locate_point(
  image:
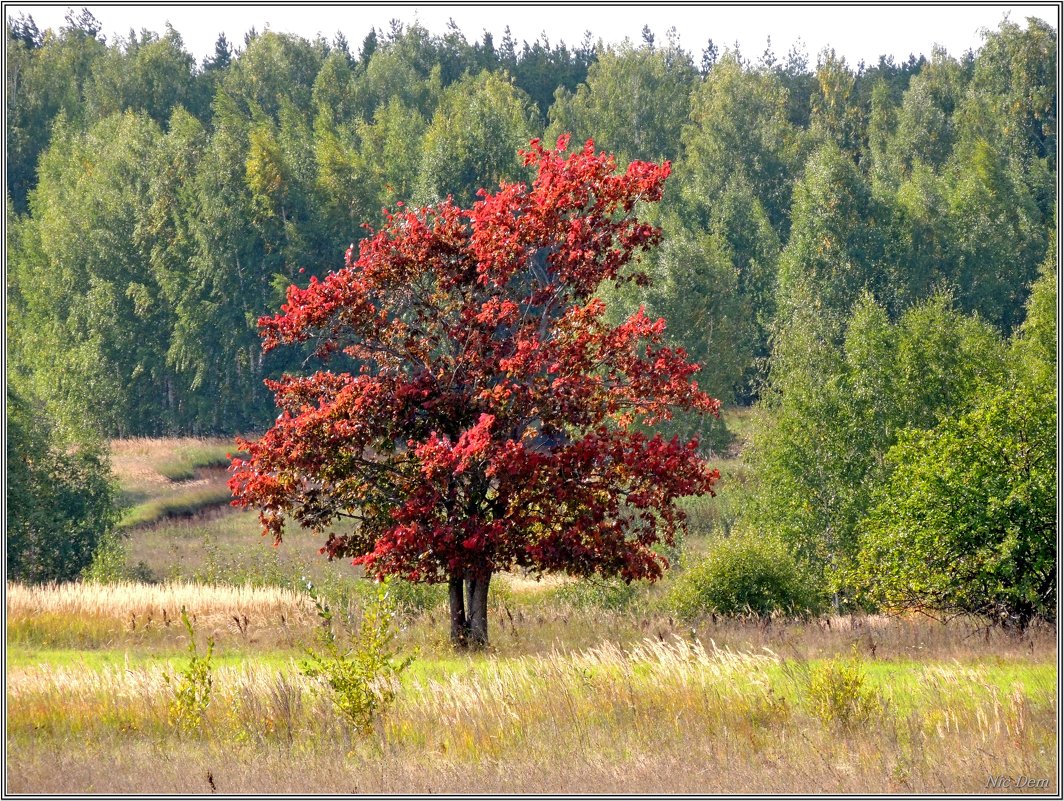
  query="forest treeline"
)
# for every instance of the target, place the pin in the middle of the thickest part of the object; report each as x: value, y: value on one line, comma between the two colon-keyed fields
x: 157, y: 207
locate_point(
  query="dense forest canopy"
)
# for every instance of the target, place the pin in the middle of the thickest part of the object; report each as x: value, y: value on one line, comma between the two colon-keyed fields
x: 158, y: 207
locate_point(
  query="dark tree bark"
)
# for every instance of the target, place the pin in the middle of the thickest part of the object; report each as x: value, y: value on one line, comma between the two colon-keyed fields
x: 478, y: 611
x: 469, y: 610
x: 459, y: 622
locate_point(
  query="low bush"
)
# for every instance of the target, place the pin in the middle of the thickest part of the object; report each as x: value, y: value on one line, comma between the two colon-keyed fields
x: 111, y: 564
x: 191, y: 688
x: 837, y: 694
x: 744, y: 574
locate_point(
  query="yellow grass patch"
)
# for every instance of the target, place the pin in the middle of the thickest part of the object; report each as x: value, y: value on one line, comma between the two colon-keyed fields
x: 145, y: 601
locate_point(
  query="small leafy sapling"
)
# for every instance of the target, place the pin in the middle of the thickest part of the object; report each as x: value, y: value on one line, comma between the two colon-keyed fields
x: 363, y: 679
x: 191, y: 687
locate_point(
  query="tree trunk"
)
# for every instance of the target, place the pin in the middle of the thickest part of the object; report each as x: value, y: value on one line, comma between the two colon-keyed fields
x: 478, y: 610
x: 459, y: 621
x: 469, y: 610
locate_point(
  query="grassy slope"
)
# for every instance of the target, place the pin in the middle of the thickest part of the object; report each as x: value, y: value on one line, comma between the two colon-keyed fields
x: 160, y: 478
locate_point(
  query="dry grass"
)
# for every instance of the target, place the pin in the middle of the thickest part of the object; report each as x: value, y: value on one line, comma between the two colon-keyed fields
x: 100, y: 616
x: 525, y: 585
x: 655, y: 717
x: 811, y: 765
x: 524, y: 617
x: 121, y: 601
x: 724, y: 708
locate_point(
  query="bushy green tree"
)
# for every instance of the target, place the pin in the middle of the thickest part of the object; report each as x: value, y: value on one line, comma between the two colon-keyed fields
x: 840, y: 391
x: 473, y: 139
x: 274, y: 67
x: 1012, y: 102
x: 149, y: 73
x: 87, y: 327
x: 717, y: 290
x: 391, y: 153
x: 210, y: 270
x: 403, y: 67
x: 333, y: 94
x: 739, y: 127
x: 967, y: 520
x: 634, y: 102
x: 46, y: 76
x: 60, y: 499
x: 839, y: 244
x: 798, y: 461
x: 997, y: 232
x: 922, y: 231
x: 926, y: 129
x: 1034, y: 347
x: 699, y: 296
x: 225, y: 286
x: 964, y: 518
x: 835, y: 114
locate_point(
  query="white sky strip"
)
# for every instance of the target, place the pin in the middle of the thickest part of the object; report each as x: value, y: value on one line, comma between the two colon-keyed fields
x: 856, y: 32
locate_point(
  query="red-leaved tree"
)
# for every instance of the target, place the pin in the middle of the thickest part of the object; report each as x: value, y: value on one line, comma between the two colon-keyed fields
x: 488, y: 418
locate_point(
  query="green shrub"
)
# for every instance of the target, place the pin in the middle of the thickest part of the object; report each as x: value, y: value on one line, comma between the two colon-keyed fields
x: 60, y: 499
x: 744, y: 574
x: 362, y: 680
x: 837, y: 694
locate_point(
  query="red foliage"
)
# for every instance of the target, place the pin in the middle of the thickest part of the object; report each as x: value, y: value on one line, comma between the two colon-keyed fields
x: 489, y: 415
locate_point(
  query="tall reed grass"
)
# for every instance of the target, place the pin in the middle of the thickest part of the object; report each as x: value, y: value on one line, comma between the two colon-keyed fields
x: 123, y: 599
x: 109, y: 615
